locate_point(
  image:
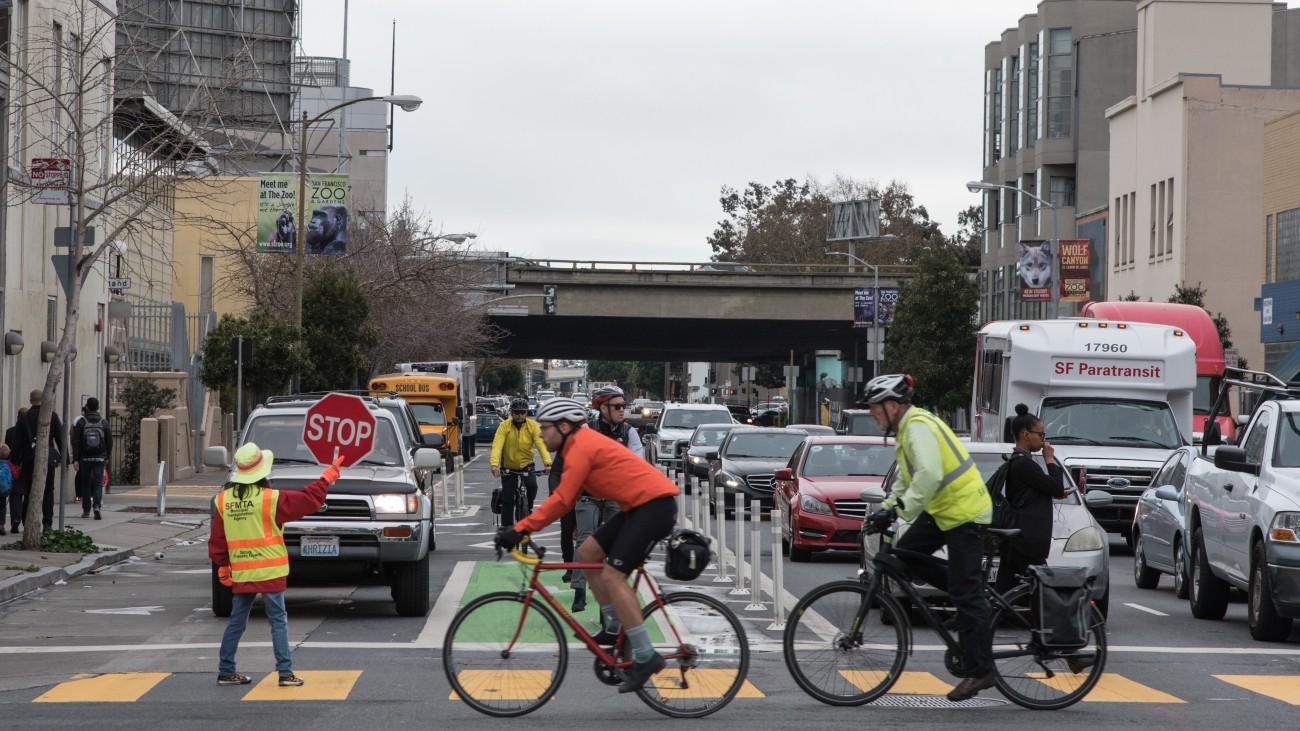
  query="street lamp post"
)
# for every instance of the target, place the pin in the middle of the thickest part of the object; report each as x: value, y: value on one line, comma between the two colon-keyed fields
x: 975, y: 186
x: 408, y: 103
x: 875, y: 306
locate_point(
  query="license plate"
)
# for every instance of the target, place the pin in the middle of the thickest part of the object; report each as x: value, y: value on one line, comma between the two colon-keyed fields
x: 319, y: 546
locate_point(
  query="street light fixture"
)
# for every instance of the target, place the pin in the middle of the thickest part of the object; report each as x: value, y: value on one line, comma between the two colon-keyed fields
x: 407, y: 103
x: 976, y: 186
x: 875, y: 306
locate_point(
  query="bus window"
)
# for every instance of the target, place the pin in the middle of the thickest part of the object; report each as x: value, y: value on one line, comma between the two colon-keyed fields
x: 428, y: 414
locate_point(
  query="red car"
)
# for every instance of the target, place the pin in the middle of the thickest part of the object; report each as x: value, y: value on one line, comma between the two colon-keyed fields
x: 818, y: 492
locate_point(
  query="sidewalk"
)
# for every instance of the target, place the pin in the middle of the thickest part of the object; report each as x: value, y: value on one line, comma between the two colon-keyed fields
x: 130, y: 526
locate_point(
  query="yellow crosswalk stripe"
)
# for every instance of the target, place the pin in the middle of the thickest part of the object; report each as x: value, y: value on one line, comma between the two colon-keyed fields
x: 1112, y: 688
x: 319, y: 685
x: 920, y: 683
x: 702, y: 683
x: 109, y: 688
x: 1285, y: 688
x: 504, y: 685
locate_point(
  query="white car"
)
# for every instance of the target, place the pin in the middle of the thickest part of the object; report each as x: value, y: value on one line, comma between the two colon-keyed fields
x: 675, y: 426
x: 1077, y: 537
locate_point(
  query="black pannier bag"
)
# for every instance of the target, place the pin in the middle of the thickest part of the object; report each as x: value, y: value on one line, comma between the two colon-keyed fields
x: 1062, y: 603
x: 496, y: 500
x: 688, y: 555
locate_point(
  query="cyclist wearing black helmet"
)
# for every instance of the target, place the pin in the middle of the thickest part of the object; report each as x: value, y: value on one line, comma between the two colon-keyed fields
x: 941, y: 492
x: 512, y: 448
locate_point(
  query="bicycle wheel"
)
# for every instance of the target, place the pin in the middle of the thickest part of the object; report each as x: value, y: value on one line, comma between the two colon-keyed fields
x: 1043, y: 680
x: 836, y: 664
x: 504, y: 660
x: 707, y: 653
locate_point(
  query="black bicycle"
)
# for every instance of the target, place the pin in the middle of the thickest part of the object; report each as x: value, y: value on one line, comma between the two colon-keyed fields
x: 520, y: 493
x: 840, y: 655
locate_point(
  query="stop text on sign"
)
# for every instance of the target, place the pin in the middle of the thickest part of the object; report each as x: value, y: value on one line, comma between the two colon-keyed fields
x: 337, y: 430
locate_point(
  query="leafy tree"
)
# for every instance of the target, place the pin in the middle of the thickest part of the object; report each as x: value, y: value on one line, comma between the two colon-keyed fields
x: 275, y: 356
x: 933, y: 335
x: 969, y: 236
x: 1130, y: 297
x: 631, y: 375
x: 336, y: 331
x: 1187, y: 295
x: 766, y: 375
x: 143, y: 398
x: 505, y: 378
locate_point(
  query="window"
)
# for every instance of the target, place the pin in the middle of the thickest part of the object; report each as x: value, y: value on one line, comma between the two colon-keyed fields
x: 1060, y: 82
x: 1032, y: 94
x: 207, y: 275
x: 1155, y: 218
x: 990, y: 390
x: 1288, y: 245
x: 1061, y: 192
x: 1253, y: 444
x: 1013, y: 202
x: 52, y: 318
x: 993, y: 117
x: 1169, y: 216
x: 1268, y: 248
x: 1013, y: 105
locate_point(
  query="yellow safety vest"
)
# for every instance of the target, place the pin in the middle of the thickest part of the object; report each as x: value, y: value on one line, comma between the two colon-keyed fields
x: 962, y: 496
x: 253, y: 538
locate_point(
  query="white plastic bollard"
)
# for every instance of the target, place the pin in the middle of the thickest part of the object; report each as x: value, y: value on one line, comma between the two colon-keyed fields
x: 460, y: 483
x: 778, y: 575
x: 756, y: 558
x: 740, y: 589
x: 162, y: 489
x: 681, y: 507
x: 442, y: 488
x: 720, y: 496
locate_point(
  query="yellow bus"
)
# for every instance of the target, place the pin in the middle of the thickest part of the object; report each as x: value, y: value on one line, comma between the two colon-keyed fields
x: 434, y: 400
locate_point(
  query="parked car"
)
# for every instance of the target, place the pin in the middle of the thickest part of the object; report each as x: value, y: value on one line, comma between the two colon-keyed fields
x: 675, y: 425
x: 644, y: 411
x: 488, y: 421
x: 1077, y: 537
x: 1158, y: 541
x: 746, y: 463
x: 858, y: 422
x: 818, y: 492
x: 378, y: 516
x: 706, y: 438
x: 813, y: 430
x: 741, y: 413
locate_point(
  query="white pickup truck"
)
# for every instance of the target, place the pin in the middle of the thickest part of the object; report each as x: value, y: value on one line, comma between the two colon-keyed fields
x: 1243, y: 513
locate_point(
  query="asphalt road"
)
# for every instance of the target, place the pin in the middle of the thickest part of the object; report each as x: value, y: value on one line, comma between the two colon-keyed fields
x: 135, y: 646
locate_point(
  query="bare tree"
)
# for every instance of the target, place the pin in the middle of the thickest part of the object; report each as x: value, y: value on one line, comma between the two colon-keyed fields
x: 125, y: 153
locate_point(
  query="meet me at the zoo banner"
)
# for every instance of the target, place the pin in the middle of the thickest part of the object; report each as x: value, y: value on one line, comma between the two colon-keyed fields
x: 277, y: 213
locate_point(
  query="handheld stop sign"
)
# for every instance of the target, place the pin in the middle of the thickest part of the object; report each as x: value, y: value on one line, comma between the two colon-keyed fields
x: 339, y: 424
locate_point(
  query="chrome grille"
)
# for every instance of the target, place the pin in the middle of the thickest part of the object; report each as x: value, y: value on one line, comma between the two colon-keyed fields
x: 760, y: 483
x: 851, y: 508
x: 1108, y: 478
x: 343, y: 507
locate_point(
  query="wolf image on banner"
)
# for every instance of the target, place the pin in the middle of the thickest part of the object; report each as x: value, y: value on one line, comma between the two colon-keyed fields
x: 1036, y: 265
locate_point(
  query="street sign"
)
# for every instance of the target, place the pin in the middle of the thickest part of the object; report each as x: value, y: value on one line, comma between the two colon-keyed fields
x: 342, y: 424
x: 50, y: 177
x: 119, y: 282
x: 63, y: 236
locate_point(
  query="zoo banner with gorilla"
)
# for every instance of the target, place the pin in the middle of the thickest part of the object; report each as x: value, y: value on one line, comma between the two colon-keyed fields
x: 277, y: 213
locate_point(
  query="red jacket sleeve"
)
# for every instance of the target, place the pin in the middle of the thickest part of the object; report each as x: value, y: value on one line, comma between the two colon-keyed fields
x: 217, y: 550
x: 296, y: 505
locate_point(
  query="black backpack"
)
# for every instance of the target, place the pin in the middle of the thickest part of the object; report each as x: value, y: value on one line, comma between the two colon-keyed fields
x: 1004, y: 513
x: 688, y: 555
x: 94, y: 438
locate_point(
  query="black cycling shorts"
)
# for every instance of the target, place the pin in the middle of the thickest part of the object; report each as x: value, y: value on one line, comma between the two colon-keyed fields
x: 628, y: 537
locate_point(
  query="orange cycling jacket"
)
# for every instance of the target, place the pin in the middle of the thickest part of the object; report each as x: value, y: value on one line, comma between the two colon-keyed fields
x: 607, y: 470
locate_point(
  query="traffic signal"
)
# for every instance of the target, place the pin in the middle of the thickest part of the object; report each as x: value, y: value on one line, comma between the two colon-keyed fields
x: 548, y: 299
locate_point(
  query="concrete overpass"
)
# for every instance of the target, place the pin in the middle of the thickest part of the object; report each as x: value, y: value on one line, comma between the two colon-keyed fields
x: 609, y: 310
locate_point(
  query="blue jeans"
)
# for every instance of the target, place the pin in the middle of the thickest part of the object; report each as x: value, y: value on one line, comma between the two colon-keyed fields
x: 92, y: 490
x: 279, y: 620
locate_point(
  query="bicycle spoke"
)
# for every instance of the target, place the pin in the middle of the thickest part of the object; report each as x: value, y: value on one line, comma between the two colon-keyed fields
x: 1043, y: 679
x: 707, y: 653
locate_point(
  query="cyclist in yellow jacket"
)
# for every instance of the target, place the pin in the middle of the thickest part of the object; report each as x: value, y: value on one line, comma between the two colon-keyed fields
x: 941, y: 492
x: 247, y: 545
x: 512, y: 449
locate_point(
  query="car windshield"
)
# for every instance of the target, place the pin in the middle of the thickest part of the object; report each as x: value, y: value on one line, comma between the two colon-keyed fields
x: 653, y: 405
x: 776, y: 445
x: 709, y: 436
x: 429, y: 414
x: 282, y: 434
x: 1110, y: 422
x: 862, y: 425
x: 691, y: 418
x: 827, y: 460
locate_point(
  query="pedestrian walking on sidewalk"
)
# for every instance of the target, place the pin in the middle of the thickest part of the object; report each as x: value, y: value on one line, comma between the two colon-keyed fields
x: 92, y: 442
x: 6, y: 483
x: 17, y: 446
x: 247, y: 545
x: 27, y: 427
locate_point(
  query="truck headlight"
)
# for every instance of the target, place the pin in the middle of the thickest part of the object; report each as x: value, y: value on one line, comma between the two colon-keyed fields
x: 396, y: 503
x: 696, y: 459
x: 1285, y: 528
x: 1084, y: 539
x: 810, y: 504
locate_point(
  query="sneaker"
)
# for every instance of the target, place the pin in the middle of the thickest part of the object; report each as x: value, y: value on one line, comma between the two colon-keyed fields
x: 233, y: 679
x: 579, y: 600
x: 290, y: 681
x: 640, y: 672
x: 1077, y: 664
x: 969, y: 687
x: 97, y: 514
x: 85, y: 515
x: 605, y: 638
x: 567, y: 577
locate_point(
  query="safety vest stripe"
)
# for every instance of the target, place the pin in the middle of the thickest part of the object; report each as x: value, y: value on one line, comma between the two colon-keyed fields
x: 253, y: 543
x: 259, y: 563
x: 962, y: 465
x: 268, y: 524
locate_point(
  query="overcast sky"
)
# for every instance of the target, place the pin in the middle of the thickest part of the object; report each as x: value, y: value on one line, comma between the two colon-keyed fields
x: 605, y: 130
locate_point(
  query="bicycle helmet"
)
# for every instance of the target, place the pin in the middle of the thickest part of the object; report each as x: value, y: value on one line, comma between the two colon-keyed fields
x: 894, y: 386
x: 519, y: 404
x: 603, y: 394
x: 561, y: 408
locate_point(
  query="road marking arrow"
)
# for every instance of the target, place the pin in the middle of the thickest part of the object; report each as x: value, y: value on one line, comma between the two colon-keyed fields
x: 137, y: 611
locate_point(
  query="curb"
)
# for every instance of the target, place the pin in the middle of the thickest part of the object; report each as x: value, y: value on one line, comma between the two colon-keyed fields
x: 17, y: 586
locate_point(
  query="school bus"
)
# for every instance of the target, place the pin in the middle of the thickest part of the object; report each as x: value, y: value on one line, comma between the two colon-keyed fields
x: 433, y: 400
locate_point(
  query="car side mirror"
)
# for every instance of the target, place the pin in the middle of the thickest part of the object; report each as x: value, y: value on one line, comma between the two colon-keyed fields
x: 1233, y: 459
x: 711, y: 456
x: 785, y: 473
x: 873, y: 494
x: 1098, y: 498
x: 432, y: 440
x: 1167, y: 492
x: 1211, y: 435
x: 216, y: 457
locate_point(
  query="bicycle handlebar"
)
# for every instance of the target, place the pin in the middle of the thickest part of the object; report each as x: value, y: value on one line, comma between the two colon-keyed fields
x: 524, y: 558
